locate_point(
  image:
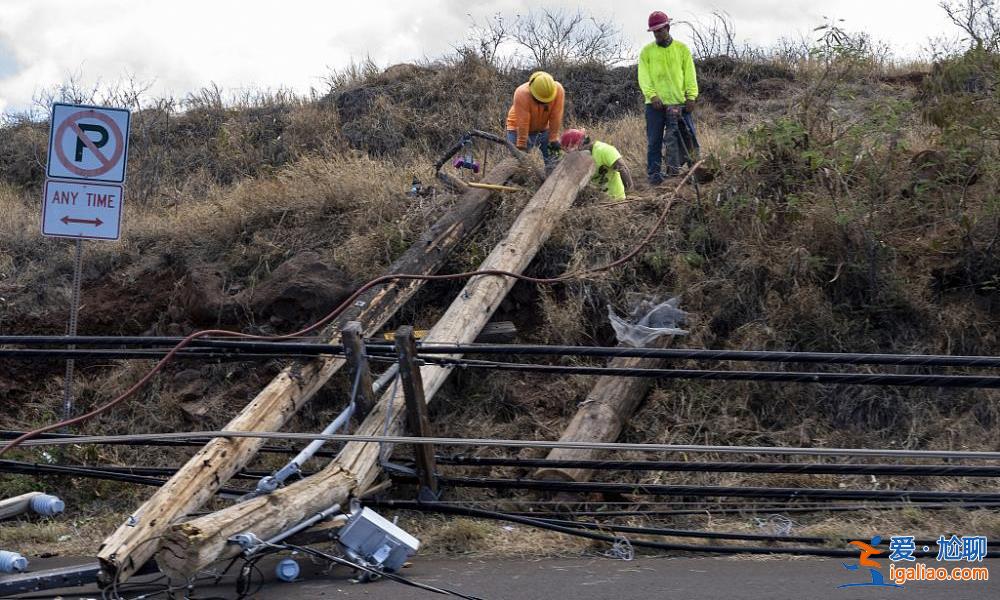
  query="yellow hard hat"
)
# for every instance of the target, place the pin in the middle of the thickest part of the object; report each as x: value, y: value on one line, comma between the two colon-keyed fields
x: 542, y: 86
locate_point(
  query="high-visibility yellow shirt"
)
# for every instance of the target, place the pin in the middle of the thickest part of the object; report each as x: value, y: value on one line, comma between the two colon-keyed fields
x: 667, y: 73
x: 605, y: 156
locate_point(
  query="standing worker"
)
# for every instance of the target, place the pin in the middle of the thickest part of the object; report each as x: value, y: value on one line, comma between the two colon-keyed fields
x: 670, y: 86
x: 612, y: 173
x: 535, y: 118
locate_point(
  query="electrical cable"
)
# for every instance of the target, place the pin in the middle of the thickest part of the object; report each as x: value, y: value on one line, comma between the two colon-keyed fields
x: 375, y: 347
x: 13, y: 466
x: 716, y: 535
x: 926, y: 380
x: 958, y: 381
x: 938, y: 470
x: 845, y: 358
x: 347, y: 303
x: 6, y: 434
x: 625, y: 465
x: 560, y: 508
x: 9, y: 466
x: 709, y: 491
x: 507, y: 443
x: 244, y: 580
x: 391, y: 576
x: 469, y: 512
x: 129, y: 475
x: 186, y: 354
x: 144, y: 341
x: 709, y: 511
x: 935, y: 470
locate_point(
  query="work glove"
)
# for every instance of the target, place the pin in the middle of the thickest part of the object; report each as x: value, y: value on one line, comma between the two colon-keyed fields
x: 555, y: 150
x: 689, y: 105
x: 657, y: 103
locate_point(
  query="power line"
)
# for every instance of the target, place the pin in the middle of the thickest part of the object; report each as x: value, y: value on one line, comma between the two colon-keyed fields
x: 6, y: 434
x: 259, y: 351
x: 10, y: 466
x: 139, y: 475
x: 847, y: 358
x: 936, y: 470
x: 145, y: 341
x: 959, y: 381
x: 375, y: 346
x: 781, y: 510
x: 186, y: 354
x: 13, y: 466
x: 709, y: 491
x: 248, y: 354
x: 712, y: 535
x: 483, y: 442
x: 939, y: 470
x: 541, y: 524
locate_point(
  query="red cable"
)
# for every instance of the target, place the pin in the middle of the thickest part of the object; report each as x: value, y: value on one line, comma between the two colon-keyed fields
x: 340, y: 309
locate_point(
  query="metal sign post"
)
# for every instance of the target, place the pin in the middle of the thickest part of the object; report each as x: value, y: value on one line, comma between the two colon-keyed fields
x: 84, y: 192
x: 74, y: 310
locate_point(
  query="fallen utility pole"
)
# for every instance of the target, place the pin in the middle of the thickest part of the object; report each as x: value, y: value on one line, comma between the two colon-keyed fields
x: 601, y: 417
x: 11, y: 507
x: 189, y: 547
x: 135, y: 541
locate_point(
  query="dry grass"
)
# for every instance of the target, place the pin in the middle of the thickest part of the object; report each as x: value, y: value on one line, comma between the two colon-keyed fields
x: 78, y: 535
x: 70, y: 535
x: 441, y: 536
x: 817, y: 234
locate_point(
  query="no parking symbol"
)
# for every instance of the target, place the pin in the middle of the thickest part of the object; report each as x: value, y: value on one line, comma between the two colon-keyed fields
x: 88, y: 149
x: 88, y: 142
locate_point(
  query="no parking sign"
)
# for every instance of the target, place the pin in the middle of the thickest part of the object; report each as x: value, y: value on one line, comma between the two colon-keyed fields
x: 88, y: 142
x: 88, y: 149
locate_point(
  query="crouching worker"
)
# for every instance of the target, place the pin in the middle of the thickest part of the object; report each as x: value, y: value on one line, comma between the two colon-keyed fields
x: 612, y: 173
x: 535, y: 117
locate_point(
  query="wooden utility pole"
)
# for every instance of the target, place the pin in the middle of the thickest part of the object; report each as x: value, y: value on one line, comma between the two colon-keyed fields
x: 354, y: 351
x: 416, y: 408
x: 136, y: 540
x: 189, y: 547
x: 11, y: 507
x: 603, y: 415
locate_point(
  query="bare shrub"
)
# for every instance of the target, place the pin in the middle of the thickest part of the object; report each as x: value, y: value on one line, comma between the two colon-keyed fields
x: 716, y: 37
x: 979, y: 20
x: 548, y: 38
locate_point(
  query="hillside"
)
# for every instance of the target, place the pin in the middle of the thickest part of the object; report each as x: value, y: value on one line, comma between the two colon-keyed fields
x: 853, y: 207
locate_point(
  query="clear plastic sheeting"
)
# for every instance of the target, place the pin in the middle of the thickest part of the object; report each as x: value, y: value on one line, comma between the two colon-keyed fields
x: 648, y: 322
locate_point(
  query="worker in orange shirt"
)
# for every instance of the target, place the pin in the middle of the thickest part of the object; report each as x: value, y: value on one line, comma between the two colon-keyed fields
x: 535, y: 118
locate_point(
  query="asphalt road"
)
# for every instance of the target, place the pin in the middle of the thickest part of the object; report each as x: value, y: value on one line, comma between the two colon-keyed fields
x: 594, y: 579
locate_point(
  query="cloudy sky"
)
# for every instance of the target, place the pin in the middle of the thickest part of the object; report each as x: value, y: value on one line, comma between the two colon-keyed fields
x: 182, y: 45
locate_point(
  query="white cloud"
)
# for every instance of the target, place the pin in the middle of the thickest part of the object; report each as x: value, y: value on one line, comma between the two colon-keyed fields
x: 184, y: 45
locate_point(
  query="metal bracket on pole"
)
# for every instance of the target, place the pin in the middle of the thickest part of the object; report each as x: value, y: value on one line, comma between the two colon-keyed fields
x: 352, y: 336
x: 416, y: 411
x: 460, y: 186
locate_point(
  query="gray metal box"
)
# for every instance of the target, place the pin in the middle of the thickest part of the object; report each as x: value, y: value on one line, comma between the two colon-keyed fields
x: 377, y: 541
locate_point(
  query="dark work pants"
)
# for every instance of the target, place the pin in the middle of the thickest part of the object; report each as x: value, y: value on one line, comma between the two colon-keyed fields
x: 664, y: 136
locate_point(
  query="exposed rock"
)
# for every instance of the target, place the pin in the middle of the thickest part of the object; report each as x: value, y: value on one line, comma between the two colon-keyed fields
x: 300, y: 290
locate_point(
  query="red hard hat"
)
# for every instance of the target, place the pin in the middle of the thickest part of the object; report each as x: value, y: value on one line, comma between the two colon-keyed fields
x: 658, y: 20
x: 572, y: 138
